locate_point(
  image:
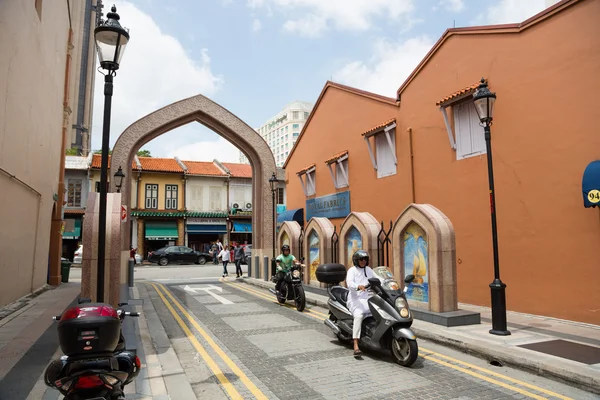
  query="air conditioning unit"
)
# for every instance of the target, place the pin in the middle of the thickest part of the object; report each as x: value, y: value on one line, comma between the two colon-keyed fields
x: 248, y: 206
x: 235, y: 205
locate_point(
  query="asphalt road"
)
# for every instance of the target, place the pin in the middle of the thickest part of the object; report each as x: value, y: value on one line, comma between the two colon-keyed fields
x: 236, y: 335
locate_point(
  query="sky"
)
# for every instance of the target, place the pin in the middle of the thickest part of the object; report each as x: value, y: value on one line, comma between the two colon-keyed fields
x: 255, y: 56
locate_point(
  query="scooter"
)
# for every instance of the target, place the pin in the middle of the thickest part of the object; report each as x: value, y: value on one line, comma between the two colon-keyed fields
x: 96, y: 365
x: 291, y: 288
x: 388, y: 328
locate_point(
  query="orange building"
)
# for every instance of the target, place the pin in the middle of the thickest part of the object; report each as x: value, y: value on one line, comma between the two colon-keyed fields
x: 429, y: 148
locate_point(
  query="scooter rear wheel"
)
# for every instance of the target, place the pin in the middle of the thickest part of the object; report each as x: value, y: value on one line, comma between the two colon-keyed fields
x: 405, y: 351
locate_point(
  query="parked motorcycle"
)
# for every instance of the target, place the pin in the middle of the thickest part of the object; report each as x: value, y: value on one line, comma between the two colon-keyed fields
x: 292, y: 288
x: 96, y: 365
x: 388, y: 328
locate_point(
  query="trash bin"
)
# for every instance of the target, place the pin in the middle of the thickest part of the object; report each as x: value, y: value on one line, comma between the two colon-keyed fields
x: 65, y: 268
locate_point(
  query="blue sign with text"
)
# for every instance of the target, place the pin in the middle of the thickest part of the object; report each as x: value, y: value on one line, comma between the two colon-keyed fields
x: 335, y: 205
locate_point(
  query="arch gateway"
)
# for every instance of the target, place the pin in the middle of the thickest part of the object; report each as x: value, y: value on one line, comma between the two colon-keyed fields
x: 205, y: 111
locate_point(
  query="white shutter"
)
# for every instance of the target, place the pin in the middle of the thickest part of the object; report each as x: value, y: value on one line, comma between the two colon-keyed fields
x: 470, y: 138
x: 214, y: 193
x: 385, y: 158
x: 340, y: 177
x: 310, y: 183
x: 477, y: 132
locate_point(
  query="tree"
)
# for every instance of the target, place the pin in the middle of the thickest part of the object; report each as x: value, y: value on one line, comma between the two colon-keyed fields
x: 100, y: 151
x: 144, y: 153
x: 72, y: 152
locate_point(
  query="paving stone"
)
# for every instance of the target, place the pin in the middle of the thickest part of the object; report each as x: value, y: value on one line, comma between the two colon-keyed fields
x: 241, y: 308
x: 293, y: 342
x: 259, y: 321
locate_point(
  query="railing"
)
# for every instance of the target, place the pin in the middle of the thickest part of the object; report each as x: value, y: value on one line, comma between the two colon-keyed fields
x: 334, y: 246
x: 301, y: 243
x: 384, y: 242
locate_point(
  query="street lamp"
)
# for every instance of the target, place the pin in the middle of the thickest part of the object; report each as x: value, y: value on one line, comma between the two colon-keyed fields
x: 273, y: 181
x: 111, y: 40
x: 484, y: 105
x: 119, y: 175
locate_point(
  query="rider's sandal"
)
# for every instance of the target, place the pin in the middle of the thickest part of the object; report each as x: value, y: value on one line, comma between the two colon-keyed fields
x: 357, y: 353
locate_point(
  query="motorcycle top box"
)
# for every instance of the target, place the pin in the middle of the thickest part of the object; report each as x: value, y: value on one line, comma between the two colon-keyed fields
x: 331, y: 273
x: 89, y: 329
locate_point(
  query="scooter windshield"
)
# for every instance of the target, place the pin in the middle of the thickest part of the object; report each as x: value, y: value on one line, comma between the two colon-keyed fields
x: 386, y: 278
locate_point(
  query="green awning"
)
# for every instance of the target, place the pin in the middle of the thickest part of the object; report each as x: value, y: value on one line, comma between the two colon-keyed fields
x: 161, y: 230
x: 75, y: 233
x: 179, y: 214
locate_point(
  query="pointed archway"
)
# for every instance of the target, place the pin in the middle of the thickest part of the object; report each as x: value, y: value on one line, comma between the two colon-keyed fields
x: 205, y: 111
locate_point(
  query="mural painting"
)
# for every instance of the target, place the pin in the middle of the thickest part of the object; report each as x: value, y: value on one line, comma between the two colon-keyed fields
x: 353, y: 244
x: 285, y: 239
x: 314, y: 258
x: 416, y: 262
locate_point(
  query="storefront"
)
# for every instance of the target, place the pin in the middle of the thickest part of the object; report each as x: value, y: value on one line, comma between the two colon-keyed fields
x: 71, y: 237
x: 241, y: 231
x: 158, y: 234
x: 201, y: 232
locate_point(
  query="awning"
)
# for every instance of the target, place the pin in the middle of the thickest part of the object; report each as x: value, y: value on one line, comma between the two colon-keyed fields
x: 242, y: 227
x: 75, y: 233
x: 591, y: 185
x: 206, y: 228
x: 161, y: 230
x: 292, y: 215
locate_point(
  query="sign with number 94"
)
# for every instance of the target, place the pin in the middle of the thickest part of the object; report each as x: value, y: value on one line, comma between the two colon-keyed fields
x: 594, y: 196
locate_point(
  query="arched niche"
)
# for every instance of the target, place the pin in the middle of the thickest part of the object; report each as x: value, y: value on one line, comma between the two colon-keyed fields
x: 289, y: 233
x: 229, y: 126
x: 317, y: 247
x: 423, y: 244
x: 358, y: 231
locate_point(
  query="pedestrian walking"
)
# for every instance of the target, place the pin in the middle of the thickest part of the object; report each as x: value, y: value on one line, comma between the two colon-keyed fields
x: 238, y: 256
x: 225, y: 258
x: 215, y: 253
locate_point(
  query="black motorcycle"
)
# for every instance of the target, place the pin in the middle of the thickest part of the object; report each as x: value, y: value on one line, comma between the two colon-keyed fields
x: 96, y: 365
x: 291, y: 288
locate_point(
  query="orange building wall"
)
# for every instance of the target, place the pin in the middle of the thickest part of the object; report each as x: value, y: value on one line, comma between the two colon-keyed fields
x: 543, y: 136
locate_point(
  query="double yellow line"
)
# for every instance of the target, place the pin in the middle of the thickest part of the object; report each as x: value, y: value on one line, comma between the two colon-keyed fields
x: 229, y: 388
x: 450, y: 362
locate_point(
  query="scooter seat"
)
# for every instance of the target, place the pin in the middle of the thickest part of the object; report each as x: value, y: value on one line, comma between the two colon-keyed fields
x: 340, y: 293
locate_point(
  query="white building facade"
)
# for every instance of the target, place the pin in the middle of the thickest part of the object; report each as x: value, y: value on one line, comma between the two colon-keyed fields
x: 282, y: 131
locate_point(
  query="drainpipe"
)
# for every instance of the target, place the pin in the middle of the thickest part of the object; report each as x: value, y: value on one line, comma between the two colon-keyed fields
x: 57, y: 218
x: 412, y: 164
x: 227, y: 181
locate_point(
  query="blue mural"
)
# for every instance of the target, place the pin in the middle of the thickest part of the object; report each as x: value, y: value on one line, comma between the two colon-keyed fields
x: 416, y: 262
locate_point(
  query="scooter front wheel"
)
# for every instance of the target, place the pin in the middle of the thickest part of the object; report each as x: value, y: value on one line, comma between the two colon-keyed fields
x: 405, y: 351
x: 300, y: 299
x: 282, y: 296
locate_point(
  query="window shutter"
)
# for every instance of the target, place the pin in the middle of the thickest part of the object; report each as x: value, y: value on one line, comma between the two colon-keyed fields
x: 385, y: 158
x: 340, y: 178
x: 477, y: 132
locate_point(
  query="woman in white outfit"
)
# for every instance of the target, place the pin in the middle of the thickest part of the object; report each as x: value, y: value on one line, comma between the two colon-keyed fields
x: 357, y: 278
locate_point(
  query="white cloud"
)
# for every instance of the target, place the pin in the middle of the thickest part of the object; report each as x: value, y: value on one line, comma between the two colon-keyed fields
x: 219, y: 148
x: 513, y: 11
x: 312, y: 17
x: 155, y: 71
x: 452, y: 5
x: 389, y: 66
x: 256, y: 25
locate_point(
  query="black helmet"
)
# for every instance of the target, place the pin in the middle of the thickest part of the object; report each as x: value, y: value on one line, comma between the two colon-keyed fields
x: 358, y: 255
x: 285, y: 247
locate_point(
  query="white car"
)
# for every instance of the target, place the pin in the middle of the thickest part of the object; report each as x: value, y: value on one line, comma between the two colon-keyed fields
x: 79, y: 254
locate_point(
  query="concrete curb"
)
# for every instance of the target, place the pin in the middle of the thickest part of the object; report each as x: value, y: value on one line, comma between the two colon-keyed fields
x: 564, y: 370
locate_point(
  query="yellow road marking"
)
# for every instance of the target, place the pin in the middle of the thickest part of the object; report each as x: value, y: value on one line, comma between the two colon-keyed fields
x: 428, y: 357
x: 233, y: 393
x: 487, y: 371
x: 234, y: 368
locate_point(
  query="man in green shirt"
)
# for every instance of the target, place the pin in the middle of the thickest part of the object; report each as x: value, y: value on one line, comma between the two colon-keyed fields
x: 284, y: 262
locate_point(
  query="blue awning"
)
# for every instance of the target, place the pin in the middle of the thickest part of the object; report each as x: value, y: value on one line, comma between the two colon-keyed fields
x: 591, y: 185
x: 242, y: 227
x: 206, y: 228
x: 292, y: 215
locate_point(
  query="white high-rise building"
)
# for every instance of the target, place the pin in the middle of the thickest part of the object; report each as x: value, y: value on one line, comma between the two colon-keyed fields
x: 281, y: 131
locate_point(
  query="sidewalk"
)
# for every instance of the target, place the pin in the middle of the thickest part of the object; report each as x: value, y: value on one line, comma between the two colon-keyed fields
x: 556, y: 335
x: 29, y: 340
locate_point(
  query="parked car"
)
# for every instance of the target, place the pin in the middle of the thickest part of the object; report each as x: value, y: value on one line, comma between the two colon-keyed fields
x: 78, y: 257
x: 180, y: 254
x: 247, y: 253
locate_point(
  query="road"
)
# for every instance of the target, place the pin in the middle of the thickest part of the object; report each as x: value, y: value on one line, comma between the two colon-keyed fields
x: 227, y: 332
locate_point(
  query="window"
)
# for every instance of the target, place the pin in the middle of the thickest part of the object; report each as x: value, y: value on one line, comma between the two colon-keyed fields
x: 195, y: 200
x: 305, y: 115
x: 74, y: 193
x: 171, y: 197
x: 287, y: 127
x: 470, y: 136
x: 295, y: 114
x: 214, y: 194
x: 151, y: 196
x: 307, y: 180
x: 341, y: 173
x: 385, y: 150
x: 296, y: 134
x: 295, y: 126
x: 279, y: 196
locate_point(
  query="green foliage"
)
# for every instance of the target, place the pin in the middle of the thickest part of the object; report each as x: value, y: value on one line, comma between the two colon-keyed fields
x: 144, y: 153
x: 71, y: 152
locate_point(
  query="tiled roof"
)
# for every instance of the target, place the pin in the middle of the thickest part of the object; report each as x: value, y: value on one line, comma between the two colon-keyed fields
x: 202, y: 168
x: 74, y: 211
x: 160, y: 164
x: 192, y: 214
x: 460, y: 93
x: 239, y: 170
x: 336, y: 156
x: 379, y: 127
x: 303, y: 170
x: 97, y: 161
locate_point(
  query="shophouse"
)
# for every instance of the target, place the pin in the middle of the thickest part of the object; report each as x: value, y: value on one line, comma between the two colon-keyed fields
x: 77, y: 184
x: 430, y: 149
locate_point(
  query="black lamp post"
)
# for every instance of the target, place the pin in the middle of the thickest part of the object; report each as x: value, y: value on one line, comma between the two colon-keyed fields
x: 484, y: 105
x: 111, y: 40
x: 273, y: 181
x: 119, y: 175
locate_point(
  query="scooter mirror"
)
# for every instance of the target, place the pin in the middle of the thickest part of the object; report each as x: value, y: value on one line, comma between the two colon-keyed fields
x: 409, y: 279
x: 374, y: 282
